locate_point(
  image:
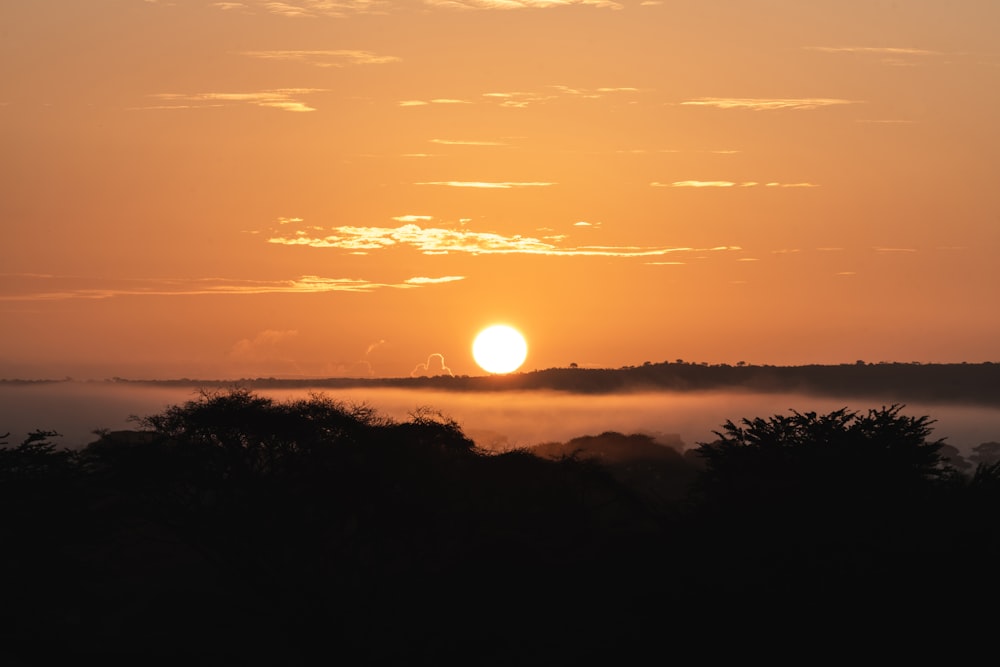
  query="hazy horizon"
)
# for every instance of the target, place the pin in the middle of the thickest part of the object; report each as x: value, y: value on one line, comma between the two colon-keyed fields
x: 494, y: 420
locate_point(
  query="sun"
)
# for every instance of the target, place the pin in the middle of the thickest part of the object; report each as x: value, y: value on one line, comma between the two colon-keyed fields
x: 499, y: 349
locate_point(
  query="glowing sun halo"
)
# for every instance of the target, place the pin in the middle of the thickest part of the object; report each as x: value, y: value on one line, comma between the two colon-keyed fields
x: 499, y: 349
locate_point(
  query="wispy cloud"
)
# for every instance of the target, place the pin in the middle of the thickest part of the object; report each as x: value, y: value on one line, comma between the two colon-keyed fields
x: 437, y: 100
x: 341, y: 8
x: 458, y: 142
x: 335, y: 58
x: 422, y: 280
x: 261, y: 346
x: 730, y: 184
x: 285, y: 99
x: 888, y: 55
x: 314, y: 8
x: 56, y: 288
x: 489, y: 185
x: 413, y: 218
x: 439, y: 241
x: 433, y: 366
x: 887, y: 121
x: 521, y: 99
x: 694, y: 184
x: 520, y: 4
x: 766, y: 104
x: 882, y: 50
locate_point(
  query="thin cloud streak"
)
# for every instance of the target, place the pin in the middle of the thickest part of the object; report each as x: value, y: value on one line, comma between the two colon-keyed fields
x: 297, y: 9
x: 438, y: 241
x: 457, y: 142
x: 322, y: 8
x: 885, y: 50
x: 334, y: 58
x: 729, y: 184
x: 281, y: 98
x: 43, y: 290
x: 489, y: 185
x: 522, y: 99
x: 763, y: 104
x: 440, y: 100
x: 519, y: 4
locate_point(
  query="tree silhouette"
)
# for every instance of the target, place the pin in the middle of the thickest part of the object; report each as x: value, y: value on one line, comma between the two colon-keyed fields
x: 824, y: 509
x: 810, y: 455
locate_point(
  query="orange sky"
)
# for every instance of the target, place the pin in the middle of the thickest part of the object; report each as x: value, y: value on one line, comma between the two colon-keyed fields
x: 329, y: 188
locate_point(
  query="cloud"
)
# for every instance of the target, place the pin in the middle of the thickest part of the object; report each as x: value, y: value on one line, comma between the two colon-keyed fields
x: 694, y: 184
x: 520, y: 4
x: 434, y: 366
x: 435, y: 241
x: 421, y: 280
x: 413, y: 218
x: 440, y: 100
x: 758, y: 104
x: 729, y: 184
x: 261, y: 346
x: 890, y: 55
x: 341, y: 8
x: 57, y: 288
x: 281, y: 98
x: 489, y: 185
x: 522, y: 99
x: 887, y: 121
x: 328, y: 8
x: 335, y: 58
x: 884, y: 50
x: 456, y: 142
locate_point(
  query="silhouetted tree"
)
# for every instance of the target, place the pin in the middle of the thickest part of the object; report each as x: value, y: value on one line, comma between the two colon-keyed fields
x: 845, y: 501
x: 986, y: 453
x: 807, y: 454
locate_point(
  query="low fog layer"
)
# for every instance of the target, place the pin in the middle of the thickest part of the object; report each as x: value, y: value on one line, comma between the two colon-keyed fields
x: 497, y: 421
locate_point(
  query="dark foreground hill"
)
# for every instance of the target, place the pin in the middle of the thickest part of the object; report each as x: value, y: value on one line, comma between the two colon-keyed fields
x: 236, y: 528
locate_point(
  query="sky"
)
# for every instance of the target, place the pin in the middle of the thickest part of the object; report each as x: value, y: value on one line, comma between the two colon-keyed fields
x: 355, y: 188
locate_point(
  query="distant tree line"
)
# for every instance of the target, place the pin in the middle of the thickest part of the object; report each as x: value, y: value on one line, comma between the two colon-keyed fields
x: 977, y: 384
x: 237, y: 525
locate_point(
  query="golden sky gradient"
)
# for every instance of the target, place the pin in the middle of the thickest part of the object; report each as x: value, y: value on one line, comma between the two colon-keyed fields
x: 352, y: 187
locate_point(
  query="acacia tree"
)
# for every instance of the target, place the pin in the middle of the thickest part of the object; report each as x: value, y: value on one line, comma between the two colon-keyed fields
x: 805, y: 457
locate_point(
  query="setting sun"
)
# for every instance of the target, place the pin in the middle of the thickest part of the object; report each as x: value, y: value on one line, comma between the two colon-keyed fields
x: 499, y: 349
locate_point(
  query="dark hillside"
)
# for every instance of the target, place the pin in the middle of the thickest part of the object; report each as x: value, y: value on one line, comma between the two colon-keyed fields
x: 235, y: 527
